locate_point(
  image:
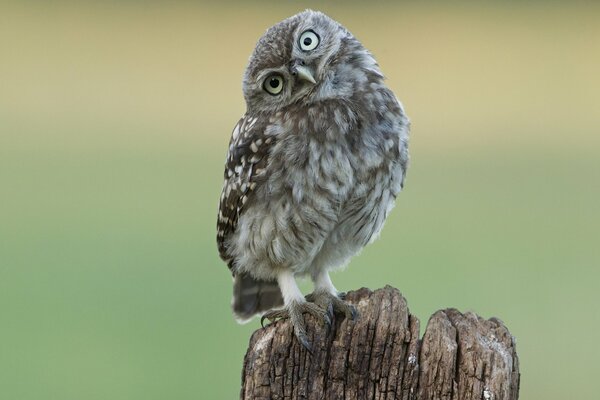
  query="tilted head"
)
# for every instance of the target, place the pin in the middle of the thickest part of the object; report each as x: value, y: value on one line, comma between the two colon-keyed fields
x: 305, y: 58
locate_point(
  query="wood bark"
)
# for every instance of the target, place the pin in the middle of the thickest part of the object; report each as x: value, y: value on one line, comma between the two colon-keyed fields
x: 379, y: 356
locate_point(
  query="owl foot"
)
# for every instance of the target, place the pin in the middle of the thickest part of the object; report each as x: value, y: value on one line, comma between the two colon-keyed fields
x: 333, y: 303
x: 294, y: 311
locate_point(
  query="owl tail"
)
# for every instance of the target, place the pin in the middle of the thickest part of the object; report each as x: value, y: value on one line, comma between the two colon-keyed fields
x: 251, y: 296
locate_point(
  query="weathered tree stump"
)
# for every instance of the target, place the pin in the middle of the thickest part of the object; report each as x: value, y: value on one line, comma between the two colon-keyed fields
x: 380, y: 356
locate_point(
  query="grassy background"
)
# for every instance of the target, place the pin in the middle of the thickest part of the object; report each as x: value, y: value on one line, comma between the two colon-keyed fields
x: 114, y: 122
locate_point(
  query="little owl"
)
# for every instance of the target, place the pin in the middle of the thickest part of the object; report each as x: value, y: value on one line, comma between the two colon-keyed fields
x: 313, y: 169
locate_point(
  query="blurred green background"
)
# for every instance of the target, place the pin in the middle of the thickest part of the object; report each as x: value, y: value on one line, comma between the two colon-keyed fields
x: 114, y: 123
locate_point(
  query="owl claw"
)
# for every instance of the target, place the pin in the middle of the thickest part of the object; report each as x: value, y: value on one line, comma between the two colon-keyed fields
x: 353, y: 312
x: 303, y: 339
x: 295, y: 312
x: 262, y: 321
x: 333, y: 303
x: 330, y: 312
x: 273, y: 316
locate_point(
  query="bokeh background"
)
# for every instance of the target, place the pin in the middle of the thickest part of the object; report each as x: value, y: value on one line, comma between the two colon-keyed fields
x: 114, y: 122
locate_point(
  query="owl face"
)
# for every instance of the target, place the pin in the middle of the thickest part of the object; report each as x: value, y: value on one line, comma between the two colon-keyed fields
x: 295, y: 61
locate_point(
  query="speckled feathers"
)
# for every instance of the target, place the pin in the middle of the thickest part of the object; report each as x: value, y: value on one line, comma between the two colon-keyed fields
x: 313, y: 167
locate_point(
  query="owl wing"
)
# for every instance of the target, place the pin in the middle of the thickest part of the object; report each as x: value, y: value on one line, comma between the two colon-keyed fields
x: 244, y: 167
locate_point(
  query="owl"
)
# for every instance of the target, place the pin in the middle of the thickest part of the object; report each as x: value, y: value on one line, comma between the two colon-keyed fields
x: 313, y: 169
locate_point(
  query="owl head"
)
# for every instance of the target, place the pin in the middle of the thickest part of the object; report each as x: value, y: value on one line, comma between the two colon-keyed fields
x: 305, y: 58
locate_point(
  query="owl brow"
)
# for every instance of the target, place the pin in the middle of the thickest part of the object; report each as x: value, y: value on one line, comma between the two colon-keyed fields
x: 269, y: 71
x: 300, y: 32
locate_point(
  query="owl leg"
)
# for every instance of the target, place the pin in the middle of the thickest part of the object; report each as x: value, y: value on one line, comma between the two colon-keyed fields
x: 295, y: 305
x: 326, y: 296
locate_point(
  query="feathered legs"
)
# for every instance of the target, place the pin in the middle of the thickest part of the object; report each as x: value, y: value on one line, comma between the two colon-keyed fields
x: 322, y: 303
x: 326, y: 296
x: 295, y: 305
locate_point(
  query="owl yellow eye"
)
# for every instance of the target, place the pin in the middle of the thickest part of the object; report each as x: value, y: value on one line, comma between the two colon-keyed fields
x: 273, y: 84
x: 309, y: 40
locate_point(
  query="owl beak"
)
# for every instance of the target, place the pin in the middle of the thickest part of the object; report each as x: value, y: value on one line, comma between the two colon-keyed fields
x: 302, y: 72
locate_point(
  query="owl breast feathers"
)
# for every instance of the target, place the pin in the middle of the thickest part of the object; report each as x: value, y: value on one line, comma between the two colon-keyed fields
x: 316, y: 163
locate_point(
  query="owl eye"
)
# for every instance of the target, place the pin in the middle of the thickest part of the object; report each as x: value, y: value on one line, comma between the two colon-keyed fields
x: 273, y: 84
x: 309, y: 40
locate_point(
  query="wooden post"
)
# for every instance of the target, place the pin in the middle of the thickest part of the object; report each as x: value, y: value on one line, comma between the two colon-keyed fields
x: 380, y: 356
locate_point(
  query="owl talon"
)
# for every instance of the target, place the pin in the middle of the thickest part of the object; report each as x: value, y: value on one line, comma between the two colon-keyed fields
x: 303, y: 339
x: 295, y: 312
x: 330, y: 311
x: 262, y: 321
x: 273, y: 316
x: 353, y: 312
x: 332, y: 302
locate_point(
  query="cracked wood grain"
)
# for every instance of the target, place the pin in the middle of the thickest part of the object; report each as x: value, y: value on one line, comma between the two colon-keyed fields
x: 380, y: 356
